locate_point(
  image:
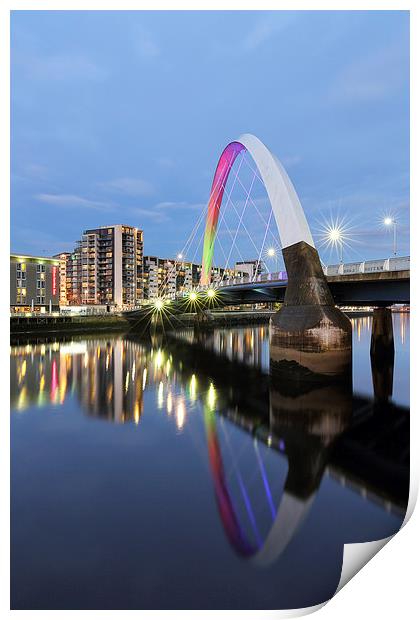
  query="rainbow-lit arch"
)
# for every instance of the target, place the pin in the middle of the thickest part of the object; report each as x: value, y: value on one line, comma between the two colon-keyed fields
x: 288, y: 212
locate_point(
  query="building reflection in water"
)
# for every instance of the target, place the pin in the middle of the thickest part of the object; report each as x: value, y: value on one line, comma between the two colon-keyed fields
x: 110, y: 378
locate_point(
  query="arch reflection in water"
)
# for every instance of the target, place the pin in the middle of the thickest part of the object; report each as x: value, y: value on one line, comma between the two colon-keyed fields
x: 303, y: 427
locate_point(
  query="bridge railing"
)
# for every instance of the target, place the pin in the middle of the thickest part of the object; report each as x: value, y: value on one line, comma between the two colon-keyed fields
x: 400, y: 263
x: 371, y: 266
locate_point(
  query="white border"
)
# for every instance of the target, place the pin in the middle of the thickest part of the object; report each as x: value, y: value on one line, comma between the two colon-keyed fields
x: 387, y: 586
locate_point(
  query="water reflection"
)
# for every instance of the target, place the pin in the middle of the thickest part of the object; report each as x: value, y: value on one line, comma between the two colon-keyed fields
x: 270, y: 452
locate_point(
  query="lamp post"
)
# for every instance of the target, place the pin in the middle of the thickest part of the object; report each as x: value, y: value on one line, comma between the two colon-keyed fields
x: 391, y: 221
x: 336, y: 237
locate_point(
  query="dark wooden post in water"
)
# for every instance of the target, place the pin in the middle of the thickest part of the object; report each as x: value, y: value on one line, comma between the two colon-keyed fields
x: 311, y: 339
x: 382, y: 353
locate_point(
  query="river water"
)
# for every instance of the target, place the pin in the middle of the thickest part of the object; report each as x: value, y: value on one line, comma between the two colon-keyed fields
x: 173, y: 474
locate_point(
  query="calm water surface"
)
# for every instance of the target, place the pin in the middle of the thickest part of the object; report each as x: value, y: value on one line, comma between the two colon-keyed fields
x: 174, y: 474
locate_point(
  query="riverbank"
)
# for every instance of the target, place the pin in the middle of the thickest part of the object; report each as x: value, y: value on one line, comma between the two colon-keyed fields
x: 67, y: 324
x: 62, y: 325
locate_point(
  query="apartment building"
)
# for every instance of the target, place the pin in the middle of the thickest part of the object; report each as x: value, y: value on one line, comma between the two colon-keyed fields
x: 109, y: 266
x: 163, y: 277
x: 34, y: 283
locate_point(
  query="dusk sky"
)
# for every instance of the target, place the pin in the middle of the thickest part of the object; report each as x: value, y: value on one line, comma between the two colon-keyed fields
x: 120, y: 117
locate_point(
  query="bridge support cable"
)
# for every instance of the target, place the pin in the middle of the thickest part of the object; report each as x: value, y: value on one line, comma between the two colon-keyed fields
x: 243, y: 225
x: 184, y: 251
x: 195, y: 229
x: 242, y: 216
x: 265, y: 480
x: 254, y: 204
x: 242, y: 487
x: 262, y: 247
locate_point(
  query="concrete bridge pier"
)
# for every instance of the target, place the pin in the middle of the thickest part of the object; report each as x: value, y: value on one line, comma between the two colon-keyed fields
x: 382, y: 353
x: 310, y: 338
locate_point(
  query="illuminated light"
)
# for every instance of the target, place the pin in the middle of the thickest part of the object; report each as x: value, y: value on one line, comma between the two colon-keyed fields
x: 211, y: 397
x: 42, y: 383
x: 211, y: 293
x: 22, y: 400
x: 23, y: 369
x: 160, y: 395
x: 136, y: 413
x: 54, y: 381
x: 168, y: 367
x: 193, y: 387
x: 86, y: 359
x: 180, y: 414
x: 158, y: 359
x: 180, y: 256
x: 54, y: 280
x: 133, y: 371
x: 335, y: 234
x: 169, y: 403
x: 271, y: 252
x: 43, y: 349
x: 193, y: 296
x: 127, y: 378
x: 388, y: 221
x: 144, y: 377
x: 74, y: 348
x: 158, y: 304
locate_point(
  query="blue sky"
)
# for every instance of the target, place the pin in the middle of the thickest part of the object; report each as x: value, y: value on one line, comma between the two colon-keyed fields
x: 119, y: 117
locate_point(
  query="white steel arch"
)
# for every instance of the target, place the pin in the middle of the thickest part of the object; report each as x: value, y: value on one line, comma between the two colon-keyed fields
x: 290, y: 218
x: 291, y: 221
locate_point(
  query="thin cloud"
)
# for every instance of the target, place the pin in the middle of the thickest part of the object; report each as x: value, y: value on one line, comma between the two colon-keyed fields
x: 73, y: 201
x: 265, y: 28
x: 166, y: 162
x: 198, y: 206
x: 371, y: 79
x: 129, y: 186
x: 290, y: 160
x: 144, y: 44
x: 151, y: 214
x: 40, y: 242
x: 62, y: 67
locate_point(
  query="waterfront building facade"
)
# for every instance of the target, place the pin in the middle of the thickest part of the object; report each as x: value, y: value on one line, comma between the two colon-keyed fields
x: 163, y: 277
x: 70, y: 278
x: 108, y: 267
x: 34, y: 283
x: 251, y: 268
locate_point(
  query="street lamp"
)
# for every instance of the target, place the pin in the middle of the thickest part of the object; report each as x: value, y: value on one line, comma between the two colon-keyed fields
x: 272, y: 253
x: 335, y: 235
x: 391, y: 221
